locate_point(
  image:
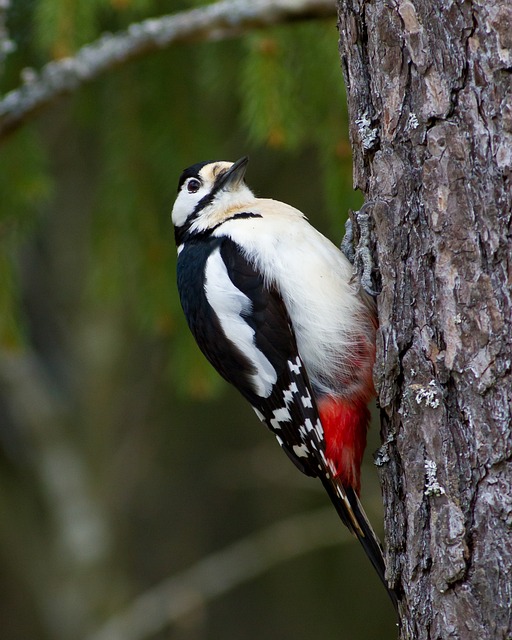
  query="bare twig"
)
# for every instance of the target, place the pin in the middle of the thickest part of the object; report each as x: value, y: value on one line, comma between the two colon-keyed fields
x: 214, y: 22
x: 221, y: 572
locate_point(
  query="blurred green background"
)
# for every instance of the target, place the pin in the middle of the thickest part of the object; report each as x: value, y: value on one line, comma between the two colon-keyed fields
x: 124, y: 459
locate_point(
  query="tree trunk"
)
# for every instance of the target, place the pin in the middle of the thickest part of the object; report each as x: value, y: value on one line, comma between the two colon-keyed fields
x: 429, y: 88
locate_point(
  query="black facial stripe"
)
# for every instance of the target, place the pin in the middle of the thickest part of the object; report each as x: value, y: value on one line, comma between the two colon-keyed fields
x: 204, y: 202
x: 209, y: 197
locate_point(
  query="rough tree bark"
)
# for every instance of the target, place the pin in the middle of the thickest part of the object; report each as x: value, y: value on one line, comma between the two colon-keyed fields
x: 429, y: 89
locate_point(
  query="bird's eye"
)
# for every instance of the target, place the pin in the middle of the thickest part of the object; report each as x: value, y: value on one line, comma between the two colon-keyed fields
x: 193, y: 185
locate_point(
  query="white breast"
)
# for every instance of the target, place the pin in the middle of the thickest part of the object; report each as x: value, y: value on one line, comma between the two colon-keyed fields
x: 330, y: 319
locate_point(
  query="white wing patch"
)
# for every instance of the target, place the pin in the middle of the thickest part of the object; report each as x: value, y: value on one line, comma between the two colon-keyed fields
x: 228, y: 303
x: 295, y: 366
x: 306, y: 401
x: 301, y: 451
x: 280, y: 415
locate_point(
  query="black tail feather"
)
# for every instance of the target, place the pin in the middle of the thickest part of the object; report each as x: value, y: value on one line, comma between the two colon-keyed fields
x: 353, y: 516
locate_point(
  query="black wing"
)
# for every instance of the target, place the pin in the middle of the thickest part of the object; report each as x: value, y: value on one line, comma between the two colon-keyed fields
x: 288, y: 409
x: 241, y: 324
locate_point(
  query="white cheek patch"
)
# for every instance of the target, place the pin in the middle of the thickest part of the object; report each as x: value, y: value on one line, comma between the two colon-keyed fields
x: 185, y: 204
x: 180, y: 211
x: 229, y: 303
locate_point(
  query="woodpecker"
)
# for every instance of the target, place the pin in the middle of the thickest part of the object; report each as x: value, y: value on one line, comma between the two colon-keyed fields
x: 272, y: 305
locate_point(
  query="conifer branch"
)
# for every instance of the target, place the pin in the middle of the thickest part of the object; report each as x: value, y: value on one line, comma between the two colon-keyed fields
x: 222, y: 20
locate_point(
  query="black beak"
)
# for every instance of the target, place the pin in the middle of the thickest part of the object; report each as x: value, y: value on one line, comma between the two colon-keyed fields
x: 234, y: 175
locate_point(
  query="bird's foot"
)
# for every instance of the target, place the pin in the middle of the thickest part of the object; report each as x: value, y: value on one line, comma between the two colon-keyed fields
x: 358, y: 250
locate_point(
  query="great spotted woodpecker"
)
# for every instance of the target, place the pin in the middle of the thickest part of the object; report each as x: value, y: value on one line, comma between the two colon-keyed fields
x: 271, y: 304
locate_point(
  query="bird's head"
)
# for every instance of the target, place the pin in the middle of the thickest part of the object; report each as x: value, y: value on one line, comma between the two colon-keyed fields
x: 207, y: 193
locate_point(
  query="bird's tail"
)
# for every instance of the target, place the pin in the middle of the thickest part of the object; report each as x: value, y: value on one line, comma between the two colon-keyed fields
x: 352, y: 514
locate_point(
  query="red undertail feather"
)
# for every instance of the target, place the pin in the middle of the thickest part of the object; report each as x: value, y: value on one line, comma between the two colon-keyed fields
x: 345, y: 425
